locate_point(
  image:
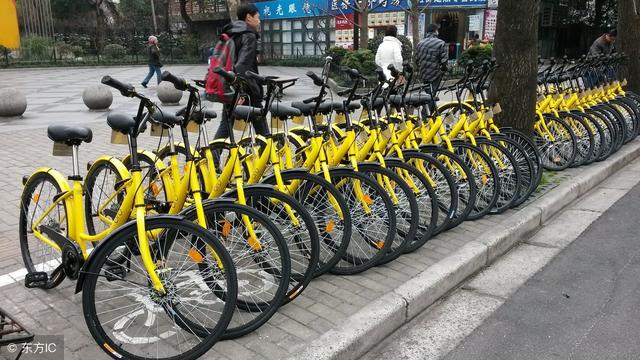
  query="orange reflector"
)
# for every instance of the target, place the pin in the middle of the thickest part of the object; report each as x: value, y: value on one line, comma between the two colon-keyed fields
x: 254, y: 243
x: 184, y: 168
x: 367, y: 199
x: 36, y: 197
x: 380, y: 244
x: 226, y: 228
x: 155, y: 189
x: 485, y: 179
x: 195, y: 255
x: 330, y: 226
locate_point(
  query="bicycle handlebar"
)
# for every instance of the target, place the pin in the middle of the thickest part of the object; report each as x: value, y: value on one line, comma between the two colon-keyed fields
x: 178, y: 82
x: 125, y: 89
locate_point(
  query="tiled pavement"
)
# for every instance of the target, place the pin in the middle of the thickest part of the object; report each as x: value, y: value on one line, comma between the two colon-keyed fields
x: 327, y: 302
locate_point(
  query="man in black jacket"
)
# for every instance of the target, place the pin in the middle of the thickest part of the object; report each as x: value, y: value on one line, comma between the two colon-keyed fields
x: 432, y: 56
x: 244, y: 32
x: 605, y: 44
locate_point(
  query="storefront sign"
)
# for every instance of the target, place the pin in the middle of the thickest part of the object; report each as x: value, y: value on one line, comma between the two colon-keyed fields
x: 475, y: 23
x: 453, y: 3
x: 347, y: 6
x: 291, y: 9
x: 490, y: 17
x: 344, y: 22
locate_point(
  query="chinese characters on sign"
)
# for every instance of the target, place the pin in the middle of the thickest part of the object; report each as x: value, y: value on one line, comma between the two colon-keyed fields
x: 490, y: 17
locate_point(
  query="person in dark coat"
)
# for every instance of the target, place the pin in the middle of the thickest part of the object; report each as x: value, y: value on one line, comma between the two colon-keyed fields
x: 244, y: 33
x: 605, y: 44
x: 432, y: 56
x: 154, y: 61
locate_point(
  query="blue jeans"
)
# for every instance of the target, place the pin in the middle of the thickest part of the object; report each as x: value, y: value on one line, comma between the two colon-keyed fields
x: 153, y: 69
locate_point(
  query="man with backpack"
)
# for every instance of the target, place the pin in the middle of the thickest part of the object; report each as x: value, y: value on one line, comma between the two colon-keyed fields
x: 242, y: 43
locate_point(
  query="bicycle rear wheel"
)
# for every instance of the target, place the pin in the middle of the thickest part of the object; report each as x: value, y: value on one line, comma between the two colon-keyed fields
x: 38, y: 195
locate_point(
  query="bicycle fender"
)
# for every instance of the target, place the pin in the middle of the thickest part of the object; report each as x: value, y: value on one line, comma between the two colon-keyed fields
x: 97, y: 250
x: 57, y: 175
x: 271, y: 179
x: 150, y: 154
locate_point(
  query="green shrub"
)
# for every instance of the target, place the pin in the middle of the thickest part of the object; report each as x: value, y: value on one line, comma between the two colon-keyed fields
x: 407, y: 47
x: 35, y: 48
x: 361, y: 60
x: 337, y: 54
x: 114, y: 52
x: 188, y: 44
x: 476, y: 53
x: 296, y: 62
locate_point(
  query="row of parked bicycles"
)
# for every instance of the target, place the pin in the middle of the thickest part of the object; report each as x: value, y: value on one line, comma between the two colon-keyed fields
x: 178, y: 247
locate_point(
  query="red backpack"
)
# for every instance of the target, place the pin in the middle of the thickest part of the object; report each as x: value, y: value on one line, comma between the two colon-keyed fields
x: 224, y: 56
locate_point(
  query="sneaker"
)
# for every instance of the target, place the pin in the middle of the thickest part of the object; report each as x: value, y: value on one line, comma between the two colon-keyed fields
x: 143, y: 85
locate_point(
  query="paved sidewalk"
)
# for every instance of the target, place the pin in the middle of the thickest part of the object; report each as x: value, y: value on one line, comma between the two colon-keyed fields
x: 325, y: 305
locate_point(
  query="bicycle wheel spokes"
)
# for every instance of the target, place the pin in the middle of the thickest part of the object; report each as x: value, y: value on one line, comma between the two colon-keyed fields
x: 128, y: 317
x: 37, y: 199
x: 372, y: 217
x: 262, y: 263
x: 101, y: 200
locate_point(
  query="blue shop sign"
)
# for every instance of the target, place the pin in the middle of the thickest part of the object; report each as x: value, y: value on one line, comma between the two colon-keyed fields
x: 290, y: 9
x: 346, y: 6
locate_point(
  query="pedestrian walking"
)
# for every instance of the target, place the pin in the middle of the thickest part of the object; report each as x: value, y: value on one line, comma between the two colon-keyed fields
x: 432, y: 57
x: 153, y: 50
x: 244, y: 33
x: 605, y: 44
x: 390, y: 51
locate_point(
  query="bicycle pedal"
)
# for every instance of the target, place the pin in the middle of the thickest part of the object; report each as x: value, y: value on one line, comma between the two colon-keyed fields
x: 36, y: 280
x: 115, y: 272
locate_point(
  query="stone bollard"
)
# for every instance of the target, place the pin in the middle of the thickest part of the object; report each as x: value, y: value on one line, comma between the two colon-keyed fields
x: 97, y: 97
x: 12, y: 102
x: 168, y: 94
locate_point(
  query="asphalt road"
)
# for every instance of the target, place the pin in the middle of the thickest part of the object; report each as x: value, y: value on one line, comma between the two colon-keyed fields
x: 585, y: 304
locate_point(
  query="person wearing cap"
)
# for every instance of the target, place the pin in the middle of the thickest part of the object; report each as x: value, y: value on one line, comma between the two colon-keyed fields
x: 604, y: 45
x: 154, y: 61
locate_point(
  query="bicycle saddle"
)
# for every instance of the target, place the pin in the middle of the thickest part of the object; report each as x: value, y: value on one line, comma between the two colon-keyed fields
x: 166, y: 118
x: 123, y: 123
x: 283, y: 111
x: 69, y: 134
x: 244, y: 112
x: 307, y: 109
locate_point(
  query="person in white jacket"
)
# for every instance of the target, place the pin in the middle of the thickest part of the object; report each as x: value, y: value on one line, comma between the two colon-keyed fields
x: 390, y: 51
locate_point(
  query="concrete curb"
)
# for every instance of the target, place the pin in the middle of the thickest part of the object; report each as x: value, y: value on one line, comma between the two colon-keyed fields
x: 371, y: 324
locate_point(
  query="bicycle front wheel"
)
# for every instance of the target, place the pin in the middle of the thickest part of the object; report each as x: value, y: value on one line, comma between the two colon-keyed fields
x: 129, y: 319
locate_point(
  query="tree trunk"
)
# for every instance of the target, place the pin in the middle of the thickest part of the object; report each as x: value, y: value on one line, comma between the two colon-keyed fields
x: 415, y: 23
x: 364, y: 26
x: 516, y: 50
x: 98, y: 27
x: 356, y: 30
x: 233, y: 9
x: 629, y: 41
x: 597, y: 19
x: 186, y: 17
